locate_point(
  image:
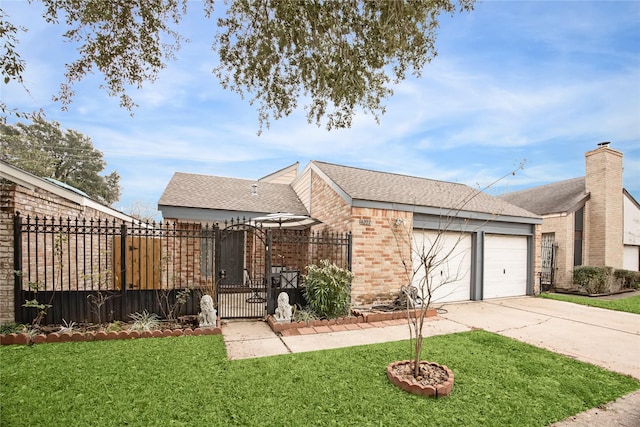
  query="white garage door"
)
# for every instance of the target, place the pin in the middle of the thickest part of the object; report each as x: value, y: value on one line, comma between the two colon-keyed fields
x: 505, y: 266
x: 450, y: 280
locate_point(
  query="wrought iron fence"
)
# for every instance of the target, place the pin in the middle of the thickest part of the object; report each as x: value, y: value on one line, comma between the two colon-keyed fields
x: 96, y: 270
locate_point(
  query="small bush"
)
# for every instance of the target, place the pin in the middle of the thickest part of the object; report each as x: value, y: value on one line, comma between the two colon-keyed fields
x: 628, y: 278
x: 145, y: 321
x: 327, y: 289
x: 303, y: 315
x: 594, y: 280
x: 12, y: 328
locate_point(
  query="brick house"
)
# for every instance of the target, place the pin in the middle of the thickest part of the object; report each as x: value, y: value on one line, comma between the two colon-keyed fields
x: 494, y: 245
x: 32, y: 196
x: 591, y: 220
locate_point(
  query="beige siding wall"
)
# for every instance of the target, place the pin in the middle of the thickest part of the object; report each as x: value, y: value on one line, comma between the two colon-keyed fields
x: 302, y: 187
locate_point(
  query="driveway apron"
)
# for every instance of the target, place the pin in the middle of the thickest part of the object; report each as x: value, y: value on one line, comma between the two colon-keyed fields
x: 606, y: 338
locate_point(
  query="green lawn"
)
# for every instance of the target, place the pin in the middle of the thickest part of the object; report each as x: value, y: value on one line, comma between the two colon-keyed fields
x: 630, y: 304
x: 187, y: 381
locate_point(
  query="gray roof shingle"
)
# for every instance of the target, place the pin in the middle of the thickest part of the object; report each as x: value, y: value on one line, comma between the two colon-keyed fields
x: 557, y: 197
x: 363, y: 184
x: 233, y: 194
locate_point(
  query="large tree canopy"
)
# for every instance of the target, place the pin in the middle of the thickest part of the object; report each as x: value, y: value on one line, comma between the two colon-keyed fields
x: 339, y: 55
x: 43, y: 149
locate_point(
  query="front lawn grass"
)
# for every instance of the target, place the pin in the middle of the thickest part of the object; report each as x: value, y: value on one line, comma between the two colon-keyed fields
x: 630, y: 304
x: 188, y: 381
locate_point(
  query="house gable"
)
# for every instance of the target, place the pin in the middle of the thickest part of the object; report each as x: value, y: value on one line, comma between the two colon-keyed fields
x: 31, y: 194
x: 551, y: 199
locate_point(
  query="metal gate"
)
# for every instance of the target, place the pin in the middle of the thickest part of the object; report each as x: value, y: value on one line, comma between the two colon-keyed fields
x: 547, y: 273
x: 242, y: 257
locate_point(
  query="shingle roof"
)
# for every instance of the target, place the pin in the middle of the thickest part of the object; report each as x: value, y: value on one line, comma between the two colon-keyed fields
x: 557, y: 197
x: 233, y: 194
x: 363, y: 184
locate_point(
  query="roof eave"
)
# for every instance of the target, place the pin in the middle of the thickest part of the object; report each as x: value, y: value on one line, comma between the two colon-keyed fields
x: 443, y: 212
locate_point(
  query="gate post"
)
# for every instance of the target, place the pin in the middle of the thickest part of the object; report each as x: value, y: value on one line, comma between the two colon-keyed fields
x: 17, y: 268
x: 123, y: 270
x: 271, y: 303
x: 217, y: 260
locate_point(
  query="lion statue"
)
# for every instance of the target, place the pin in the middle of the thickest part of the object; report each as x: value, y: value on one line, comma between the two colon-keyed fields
x: 283, y: 311
x: 208, y: 315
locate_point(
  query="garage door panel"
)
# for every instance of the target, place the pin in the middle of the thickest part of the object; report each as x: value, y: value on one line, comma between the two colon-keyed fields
x: 450, y: 278
x: 505, y: 266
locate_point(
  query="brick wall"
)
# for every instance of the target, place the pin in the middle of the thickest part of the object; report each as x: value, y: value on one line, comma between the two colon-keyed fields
x: 604, y: 213
x: 376, y: 254
x: 381, y: 250
x: 562, y: 226
x: 6, y: 268
x: 328, y: 207
x: 40, y: 203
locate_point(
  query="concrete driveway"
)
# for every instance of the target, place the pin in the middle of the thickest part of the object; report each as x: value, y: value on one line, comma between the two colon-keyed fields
x: 606, y: 338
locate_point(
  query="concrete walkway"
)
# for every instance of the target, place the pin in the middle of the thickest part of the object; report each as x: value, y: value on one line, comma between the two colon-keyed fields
x: 605, y: 338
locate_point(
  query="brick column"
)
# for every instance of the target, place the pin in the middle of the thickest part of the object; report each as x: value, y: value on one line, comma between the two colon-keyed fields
x: 7, y: 311
x: 604, y: 217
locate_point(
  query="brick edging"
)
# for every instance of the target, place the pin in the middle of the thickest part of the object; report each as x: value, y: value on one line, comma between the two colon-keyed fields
x: 357, y: 317
x: 23, y: 338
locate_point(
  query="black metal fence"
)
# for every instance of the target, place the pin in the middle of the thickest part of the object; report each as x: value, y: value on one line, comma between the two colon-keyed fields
x: 92, y: 270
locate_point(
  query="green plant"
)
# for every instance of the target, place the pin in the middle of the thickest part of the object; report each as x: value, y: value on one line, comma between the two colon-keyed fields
x: 114, y: 326
x: 628, y: 278
x: 303, y: 315
x: 34, y: 303
x: 144, y: 321
x: 67, y: 327
x: 594, y: 280
x: 11, y: 328
x: 327, y: 289
x: 170, y: 309
x: 96, y: 301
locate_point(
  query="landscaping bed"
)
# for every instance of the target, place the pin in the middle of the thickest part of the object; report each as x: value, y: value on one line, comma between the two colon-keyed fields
x: 357, y: 316
x: 114, y: 331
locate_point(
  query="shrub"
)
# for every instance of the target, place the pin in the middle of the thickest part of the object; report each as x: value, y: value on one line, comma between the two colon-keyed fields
x: 628, y: 278
x: 12, y: 328
x: 145, y: 321
x: 327, y: 289
x: 303, y: 315
x: 594, y: 280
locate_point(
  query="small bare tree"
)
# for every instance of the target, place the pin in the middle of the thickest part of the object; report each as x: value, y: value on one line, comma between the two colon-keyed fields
x: 434, y: 265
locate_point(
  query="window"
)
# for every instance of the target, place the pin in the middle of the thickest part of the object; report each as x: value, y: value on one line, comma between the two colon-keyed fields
x: 578, y: 227
x: 206, y: 252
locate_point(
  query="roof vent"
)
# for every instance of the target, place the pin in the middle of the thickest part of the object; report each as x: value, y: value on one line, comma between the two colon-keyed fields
x: 254, y: 189
x: 604, y: 144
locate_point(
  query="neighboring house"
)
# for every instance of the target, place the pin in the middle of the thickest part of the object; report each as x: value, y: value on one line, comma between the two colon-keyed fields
x: 589, y: 220
x: 32, y: 196
x: 493, y: 243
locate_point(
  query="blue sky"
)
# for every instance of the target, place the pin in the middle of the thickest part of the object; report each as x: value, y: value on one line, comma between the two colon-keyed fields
x: 541, y: 82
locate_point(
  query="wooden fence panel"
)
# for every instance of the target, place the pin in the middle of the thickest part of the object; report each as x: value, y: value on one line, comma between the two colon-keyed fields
x: 143, y: 262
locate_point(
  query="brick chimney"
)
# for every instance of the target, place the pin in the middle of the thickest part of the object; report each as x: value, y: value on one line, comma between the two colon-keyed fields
x: 604, y: 220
